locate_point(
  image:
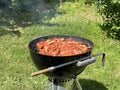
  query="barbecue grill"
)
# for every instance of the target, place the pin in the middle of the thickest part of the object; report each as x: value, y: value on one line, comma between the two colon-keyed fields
x: 62, y: 71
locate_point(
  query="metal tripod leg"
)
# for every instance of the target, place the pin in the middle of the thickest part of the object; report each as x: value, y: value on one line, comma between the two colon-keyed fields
x: 78, y: 84
x: 54, y: 87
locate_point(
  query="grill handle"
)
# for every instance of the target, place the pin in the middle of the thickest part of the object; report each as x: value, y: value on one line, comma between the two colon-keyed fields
x: 90, y: 59
x: 86, y: 62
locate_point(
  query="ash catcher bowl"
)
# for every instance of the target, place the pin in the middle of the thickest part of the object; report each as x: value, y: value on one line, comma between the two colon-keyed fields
x: 62, y: 71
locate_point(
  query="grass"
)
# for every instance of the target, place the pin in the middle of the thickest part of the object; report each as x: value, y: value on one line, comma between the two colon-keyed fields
x: 77, y: 19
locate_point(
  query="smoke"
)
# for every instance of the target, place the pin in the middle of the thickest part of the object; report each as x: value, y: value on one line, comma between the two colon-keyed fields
x: 43, y: 11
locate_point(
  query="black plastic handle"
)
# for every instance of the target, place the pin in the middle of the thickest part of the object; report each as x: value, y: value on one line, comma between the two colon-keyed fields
x: 86, y: 62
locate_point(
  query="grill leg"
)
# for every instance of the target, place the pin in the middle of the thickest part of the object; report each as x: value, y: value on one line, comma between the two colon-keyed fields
x: 78, y: 84
x: 54, y: 87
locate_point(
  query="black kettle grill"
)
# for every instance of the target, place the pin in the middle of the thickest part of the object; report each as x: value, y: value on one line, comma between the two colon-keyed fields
x: 62, y: 69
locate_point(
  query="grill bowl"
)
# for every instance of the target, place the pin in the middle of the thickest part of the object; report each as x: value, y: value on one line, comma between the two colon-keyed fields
x: 42, y: 61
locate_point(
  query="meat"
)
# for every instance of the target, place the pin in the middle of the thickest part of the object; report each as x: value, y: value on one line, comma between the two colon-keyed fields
x: 61, y: 47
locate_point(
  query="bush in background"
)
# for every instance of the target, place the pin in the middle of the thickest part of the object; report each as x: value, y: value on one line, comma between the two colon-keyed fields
x: 110, y: 11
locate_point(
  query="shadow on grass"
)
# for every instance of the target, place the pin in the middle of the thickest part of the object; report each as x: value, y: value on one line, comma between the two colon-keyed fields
x: 88, y: 84
x: 37, y: 14
x: 6, y: 32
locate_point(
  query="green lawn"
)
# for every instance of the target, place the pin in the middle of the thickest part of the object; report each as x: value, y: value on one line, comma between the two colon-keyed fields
x: 77, y: 19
